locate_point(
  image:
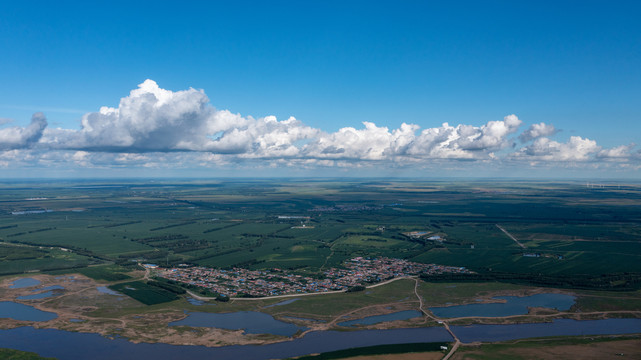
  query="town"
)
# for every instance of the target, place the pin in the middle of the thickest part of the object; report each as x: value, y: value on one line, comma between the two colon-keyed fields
x: 359, y: 271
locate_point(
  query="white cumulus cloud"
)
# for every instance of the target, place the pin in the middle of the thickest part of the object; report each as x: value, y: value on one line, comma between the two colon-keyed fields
x: 575, y: 149
x: 158, y: 128
x: 17, y: 137
x: 536, y: 131
x: 149, y: 119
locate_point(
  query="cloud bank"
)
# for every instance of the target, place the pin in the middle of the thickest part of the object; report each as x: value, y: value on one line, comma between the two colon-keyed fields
x: 152, y: 127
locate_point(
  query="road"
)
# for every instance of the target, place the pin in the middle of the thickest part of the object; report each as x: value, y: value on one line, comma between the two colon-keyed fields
x: 510, y: 235
x: 457, y: 342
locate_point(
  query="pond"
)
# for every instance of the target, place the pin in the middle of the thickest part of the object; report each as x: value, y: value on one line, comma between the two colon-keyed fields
x: 16, y: 311
x: 52, y: 287
x: 371, y: 320
x: 24, y: 283
x: 197, y: 302
x: 42, y: 295
x: 106, y: 290
x: 251, y: 322
x: 513, y: 305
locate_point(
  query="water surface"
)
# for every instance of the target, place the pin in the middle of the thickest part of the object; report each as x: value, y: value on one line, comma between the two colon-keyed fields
x: 513, y: 305
x: 197, y: 302
x: 24, y: 283
x: 106, y: 290
x: 42, y: 295
x: 66, y: 345
x: 52, y: 287
x: 16, y: 311
x: 251, y: 322
x: 559, y: 327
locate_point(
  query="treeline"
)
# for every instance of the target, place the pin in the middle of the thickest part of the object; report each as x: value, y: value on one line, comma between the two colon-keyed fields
x: 167, y: 237
x: 31, y: 232
x: 122, y: 224
x: 220, y: 228
x: 246, y: 264
x: 173, y: 225
x: 45, y: 269
x: 364, y: 233
x: 175, y: 242
x: 77, y: 250
x: 114, y: 225
x: 8, y: 253
x: 609, y: 282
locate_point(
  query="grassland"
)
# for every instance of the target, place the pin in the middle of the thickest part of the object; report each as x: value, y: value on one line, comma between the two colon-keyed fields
x: 605, y: 347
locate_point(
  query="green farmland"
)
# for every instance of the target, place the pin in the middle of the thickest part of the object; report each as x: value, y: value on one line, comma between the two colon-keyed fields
x: 565, y: 228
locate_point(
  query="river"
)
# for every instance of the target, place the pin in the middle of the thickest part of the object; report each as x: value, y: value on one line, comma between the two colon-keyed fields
x: 66, y: 345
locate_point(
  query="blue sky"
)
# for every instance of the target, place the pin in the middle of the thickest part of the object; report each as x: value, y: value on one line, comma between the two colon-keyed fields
x: 573, y: 66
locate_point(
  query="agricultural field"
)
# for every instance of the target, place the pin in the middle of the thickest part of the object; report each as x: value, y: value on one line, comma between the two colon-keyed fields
x: 524, y: 227
x: 144, y: 292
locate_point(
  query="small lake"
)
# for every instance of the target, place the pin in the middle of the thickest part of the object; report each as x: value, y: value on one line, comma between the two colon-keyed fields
x: 44, y: 294
x: 251, y: 322
x: 24, y: 283
x: 371, y: 320
x: 513, y: 305
x: 16, y: 311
